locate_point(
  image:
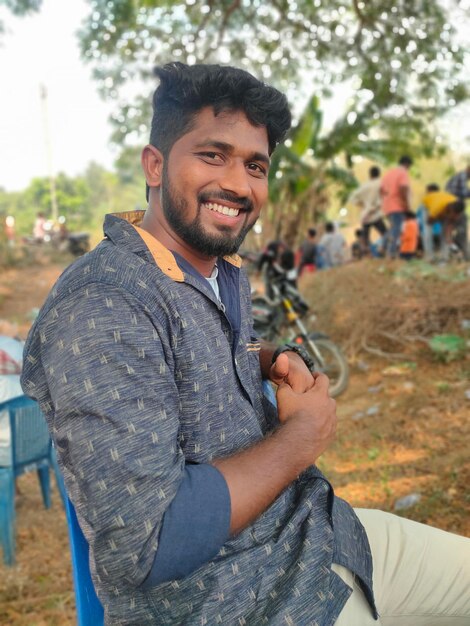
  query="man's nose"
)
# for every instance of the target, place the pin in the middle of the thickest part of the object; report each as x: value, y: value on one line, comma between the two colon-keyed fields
x: 236, y: 180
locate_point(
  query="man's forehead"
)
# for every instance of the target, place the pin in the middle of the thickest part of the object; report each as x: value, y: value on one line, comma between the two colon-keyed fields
x: 227, y: 126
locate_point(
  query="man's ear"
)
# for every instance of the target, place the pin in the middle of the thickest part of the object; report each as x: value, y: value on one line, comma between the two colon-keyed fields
x: 152, y: 164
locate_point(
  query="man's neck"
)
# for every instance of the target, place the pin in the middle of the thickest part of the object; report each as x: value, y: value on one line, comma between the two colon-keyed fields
x: 203, y: 264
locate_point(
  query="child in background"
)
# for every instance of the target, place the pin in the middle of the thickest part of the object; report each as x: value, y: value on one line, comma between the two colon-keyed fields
x: 409, y: 237
x: 359, y: 247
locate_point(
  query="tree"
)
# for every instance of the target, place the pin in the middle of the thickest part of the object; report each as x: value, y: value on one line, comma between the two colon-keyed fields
x: 83, y: 200
x: 73, y: 199
x: 401, y: 62
x: 20, y: 8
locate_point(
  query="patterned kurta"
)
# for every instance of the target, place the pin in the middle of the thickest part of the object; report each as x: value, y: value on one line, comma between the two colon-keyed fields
x: 138, y: 372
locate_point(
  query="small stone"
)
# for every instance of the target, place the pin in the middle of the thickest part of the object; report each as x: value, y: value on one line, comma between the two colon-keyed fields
x: 358, y: 416
x: 373, y: 410
x: 375, y: 388
x: 407, y: 501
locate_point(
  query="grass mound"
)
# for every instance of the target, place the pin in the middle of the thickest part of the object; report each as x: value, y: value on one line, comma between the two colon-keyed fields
x: 390, y: 309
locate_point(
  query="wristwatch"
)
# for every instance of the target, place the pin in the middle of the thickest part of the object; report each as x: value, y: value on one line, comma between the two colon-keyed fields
x: 302, y: 352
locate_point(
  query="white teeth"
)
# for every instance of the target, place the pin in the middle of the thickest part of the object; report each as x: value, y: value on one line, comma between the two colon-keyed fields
x: 220, y: 208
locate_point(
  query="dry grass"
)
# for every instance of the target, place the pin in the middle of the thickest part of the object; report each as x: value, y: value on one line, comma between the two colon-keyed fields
x: 389, y: 309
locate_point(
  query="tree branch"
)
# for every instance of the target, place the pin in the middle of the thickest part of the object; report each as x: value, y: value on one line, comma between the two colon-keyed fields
x: 233, y: 7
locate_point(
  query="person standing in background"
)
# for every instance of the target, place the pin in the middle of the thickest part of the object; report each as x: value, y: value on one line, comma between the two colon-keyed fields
x: 333, y: 245
x: 458, y: 186
x: 308, y: 253
x: 39, y: 230
x: 430, y: 230
x: 395, y: 192
x: 441, y: 209
x: 368, y: 198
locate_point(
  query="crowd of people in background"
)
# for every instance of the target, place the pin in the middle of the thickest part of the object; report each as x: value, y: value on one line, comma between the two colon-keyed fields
x: 313, y: 254
x: 437, y: 228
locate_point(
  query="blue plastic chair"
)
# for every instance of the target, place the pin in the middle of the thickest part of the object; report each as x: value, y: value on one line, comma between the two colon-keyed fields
x: 89, y: 609
x: 31, y: 449
x: 269, y: 392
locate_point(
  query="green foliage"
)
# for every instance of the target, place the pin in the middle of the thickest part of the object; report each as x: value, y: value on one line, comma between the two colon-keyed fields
x: 373, y: 453
x: 20, y: 8
x: 401, y: 61
x: 83, y: 200
x: 448, y: 347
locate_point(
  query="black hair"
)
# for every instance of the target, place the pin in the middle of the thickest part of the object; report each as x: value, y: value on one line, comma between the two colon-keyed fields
x: 374, y: 172
x: 359, y: 233
x: 312, y: 232
x: 287, y: 259
x: 458, y: 206
x: 330, y: 227
x: 410, y: 215
x: 406, y: 161
x: 432, y: 187
x: 185, y: 89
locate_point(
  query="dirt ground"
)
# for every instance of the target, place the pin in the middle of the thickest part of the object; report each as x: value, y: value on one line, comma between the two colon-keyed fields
x: 404, y: 428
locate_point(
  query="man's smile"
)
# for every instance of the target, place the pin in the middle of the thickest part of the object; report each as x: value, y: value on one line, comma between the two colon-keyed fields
x: 221, y: 208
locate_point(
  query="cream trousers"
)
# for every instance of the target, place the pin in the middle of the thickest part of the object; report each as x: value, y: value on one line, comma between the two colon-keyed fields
x: 421, y: 575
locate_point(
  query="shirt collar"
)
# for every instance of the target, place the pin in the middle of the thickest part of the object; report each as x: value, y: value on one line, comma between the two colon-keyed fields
x: 164, y: 259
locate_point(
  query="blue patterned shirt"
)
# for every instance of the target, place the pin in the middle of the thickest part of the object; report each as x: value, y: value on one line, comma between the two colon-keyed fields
x: 142, y: 375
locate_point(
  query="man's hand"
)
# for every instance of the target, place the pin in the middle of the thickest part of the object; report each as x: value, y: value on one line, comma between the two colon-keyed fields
x: 289, y: 368
x: 313, y: 410
x: 257, y: 475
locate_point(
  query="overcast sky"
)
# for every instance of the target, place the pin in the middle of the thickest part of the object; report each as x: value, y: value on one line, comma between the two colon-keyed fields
x: 43, y: 49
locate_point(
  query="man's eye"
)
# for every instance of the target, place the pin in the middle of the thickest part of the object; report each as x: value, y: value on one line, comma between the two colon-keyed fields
x: 213, y: 156
x: 256, y: 168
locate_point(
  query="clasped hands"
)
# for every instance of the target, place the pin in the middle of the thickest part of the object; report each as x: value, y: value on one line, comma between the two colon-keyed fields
x: 303, y: 396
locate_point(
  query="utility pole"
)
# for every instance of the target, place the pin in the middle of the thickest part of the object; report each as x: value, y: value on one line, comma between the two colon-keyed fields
x: 45, y: 119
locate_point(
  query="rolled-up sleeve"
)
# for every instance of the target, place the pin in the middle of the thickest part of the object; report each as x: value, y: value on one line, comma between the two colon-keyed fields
x: 195, y: 525
x: 114, y: 407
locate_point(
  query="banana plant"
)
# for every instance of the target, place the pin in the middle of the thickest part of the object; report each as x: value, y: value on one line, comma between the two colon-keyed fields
x: 313, y: 168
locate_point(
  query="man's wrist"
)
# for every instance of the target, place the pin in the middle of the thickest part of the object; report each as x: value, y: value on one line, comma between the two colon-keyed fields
x: 299, y: 350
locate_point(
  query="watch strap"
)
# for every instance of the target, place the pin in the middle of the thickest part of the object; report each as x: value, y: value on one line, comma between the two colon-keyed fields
x: 293, y: 347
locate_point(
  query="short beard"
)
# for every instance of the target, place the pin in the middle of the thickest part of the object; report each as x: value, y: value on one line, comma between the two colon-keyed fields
x: 193, y: 233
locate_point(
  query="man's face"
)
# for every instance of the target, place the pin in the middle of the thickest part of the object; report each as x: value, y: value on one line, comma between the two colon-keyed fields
x: 215, y: 181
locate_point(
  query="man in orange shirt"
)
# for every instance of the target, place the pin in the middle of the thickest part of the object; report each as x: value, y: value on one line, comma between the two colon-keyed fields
x: 395, y: 192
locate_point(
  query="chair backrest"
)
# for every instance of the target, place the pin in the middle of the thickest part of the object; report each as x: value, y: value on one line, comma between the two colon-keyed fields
x: 30, y: 439
x: 268, y: 392
x: 89, y: 608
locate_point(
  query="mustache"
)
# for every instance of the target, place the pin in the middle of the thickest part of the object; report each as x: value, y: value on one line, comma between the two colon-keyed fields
x: 244, y: 203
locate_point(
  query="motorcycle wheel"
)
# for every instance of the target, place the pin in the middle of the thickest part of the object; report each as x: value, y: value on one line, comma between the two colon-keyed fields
x: 335, y: 365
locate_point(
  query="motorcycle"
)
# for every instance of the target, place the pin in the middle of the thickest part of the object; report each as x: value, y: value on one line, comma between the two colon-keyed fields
x: 279, y: 316
x: 76, y: 244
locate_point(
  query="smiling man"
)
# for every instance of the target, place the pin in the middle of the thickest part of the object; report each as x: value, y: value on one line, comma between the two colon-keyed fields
x: 202, y: 504
x: 208, y: 193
